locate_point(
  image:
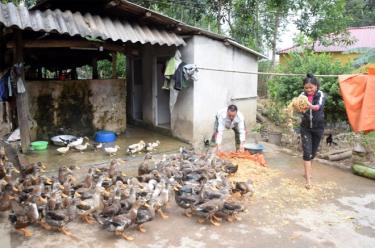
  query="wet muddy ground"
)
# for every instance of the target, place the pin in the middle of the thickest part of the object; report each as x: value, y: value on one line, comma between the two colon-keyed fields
x: 338, y: 212
x: 89, y: 157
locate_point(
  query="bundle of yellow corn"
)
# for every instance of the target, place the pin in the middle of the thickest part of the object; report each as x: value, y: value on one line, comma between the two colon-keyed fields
x: 300, y: 103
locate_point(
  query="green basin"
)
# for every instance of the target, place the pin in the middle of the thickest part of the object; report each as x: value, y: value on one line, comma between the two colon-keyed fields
x: 39, y: 145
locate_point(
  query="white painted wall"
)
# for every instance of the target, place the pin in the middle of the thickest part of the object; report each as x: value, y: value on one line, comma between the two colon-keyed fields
x: 193, y: 116
x: 214, y: 90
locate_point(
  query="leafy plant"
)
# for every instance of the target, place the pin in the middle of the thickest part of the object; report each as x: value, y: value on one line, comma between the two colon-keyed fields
x: 283, y: 89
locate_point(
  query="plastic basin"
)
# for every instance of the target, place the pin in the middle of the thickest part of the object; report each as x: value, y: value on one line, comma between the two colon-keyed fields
x: 105, y: 136
x: 39, y: 145
x: 254, y: 148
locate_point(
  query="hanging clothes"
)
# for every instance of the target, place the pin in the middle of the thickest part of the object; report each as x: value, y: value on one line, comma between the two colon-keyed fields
x: 179, y: 76
x: 191, y: 72
x: 170, y: 69
x: 4, y: 87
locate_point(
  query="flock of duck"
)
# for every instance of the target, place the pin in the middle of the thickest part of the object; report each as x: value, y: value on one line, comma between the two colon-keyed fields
x: 117, y: 202
x: 82, y: 143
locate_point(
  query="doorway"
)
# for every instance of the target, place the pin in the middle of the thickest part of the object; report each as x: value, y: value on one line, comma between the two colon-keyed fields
x: 163, y: 114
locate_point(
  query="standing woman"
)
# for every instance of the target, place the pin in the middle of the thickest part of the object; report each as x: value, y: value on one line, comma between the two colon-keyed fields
x: 312, y: 125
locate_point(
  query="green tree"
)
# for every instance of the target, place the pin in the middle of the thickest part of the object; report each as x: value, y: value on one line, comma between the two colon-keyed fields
x: 361, y: 11
x: 324, y: 21
x: 284, y: 88
x: 28, y: 3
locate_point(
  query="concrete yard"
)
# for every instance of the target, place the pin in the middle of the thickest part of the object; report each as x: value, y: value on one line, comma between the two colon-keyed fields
x: 338, y: 212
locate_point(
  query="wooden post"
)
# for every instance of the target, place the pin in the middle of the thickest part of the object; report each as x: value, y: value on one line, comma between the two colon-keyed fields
x: 114, y: 65
x: 95, y: 68
x: 21, y: 98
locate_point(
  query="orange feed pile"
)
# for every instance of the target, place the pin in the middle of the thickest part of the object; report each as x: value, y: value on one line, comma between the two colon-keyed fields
x: 258, y: 157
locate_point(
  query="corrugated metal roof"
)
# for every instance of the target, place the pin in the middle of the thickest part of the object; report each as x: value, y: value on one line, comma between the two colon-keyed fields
x: 86, y: 25
x: 123, y: 7
x: 362, y: 37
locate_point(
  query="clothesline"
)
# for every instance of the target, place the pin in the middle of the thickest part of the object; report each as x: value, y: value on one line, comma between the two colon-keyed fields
x: 264, y: 73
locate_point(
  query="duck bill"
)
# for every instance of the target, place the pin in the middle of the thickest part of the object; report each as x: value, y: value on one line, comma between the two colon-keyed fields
x: 61, y: 187
x: 16, y: 171
x: 77, y: 195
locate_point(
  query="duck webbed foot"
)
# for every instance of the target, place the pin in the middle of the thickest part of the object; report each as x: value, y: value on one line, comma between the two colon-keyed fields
x: 162, y: 214
x: 230, y: 218
x: 213, y: 222
x: 188, y: 213
x: 45, y: 226
x: 124, y: 236
x: 87, y: 219
x: 25, y: 232
x: 238, y: 218
x: 141, y: 228
x: 201, y: 220
x: 66, y: 232
x: 217, y: 218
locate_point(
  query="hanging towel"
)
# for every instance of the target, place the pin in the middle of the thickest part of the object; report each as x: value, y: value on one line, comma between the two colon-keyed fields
x: 190, y: 72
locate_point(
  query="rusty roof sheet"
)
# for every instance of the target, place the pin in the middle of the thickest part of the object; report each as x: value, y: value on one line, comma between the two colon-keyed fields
x: 84, y: 25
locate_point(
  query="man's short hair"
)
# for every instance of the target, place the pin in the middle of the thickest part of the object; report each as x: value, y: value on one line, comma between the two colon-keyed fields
x: 232, y: 108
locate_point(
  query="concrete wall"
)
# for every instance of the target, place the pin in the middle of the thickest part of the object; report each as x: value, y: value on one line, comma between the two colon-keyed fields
x: 183, y: 112
x: 193, y: 116
x: 216, y: 89
x: 80, y: 106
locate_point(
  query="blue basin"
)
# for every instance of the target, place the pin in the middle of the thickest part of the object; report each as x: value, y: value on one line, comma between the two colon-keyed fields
x: 105, y: 136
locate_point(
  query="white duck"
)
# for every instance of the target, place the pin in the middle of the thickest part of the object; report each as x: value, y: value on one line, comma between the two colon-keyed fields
x: 82, y: 147
x: 76, y: 142
x: 63, y: 150
x: 152, y: 145
x: 112, y: 150
x: 134, y: 148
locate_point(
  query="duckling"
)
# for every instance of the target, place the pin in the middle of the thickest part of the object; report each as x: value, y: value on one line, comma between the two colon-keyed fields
x: 23, y: 215
x: 134, y: 148
x: 63, y: 150
x: 244, y: 188
x: 230, y: 211
x: 5, y: 197
x: 82, y: 147
x: 145, y: 214
x: 120, y: 223
x: 98, y: 146
x: 92, y: 205
x: 207, y: 210
x: 149, y: 147
x: 230, y: 168
x: 63, y: 173
x: 57, y: 220
x: 112, y: 150
x: 162, y: 200
x: 114, y: 208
